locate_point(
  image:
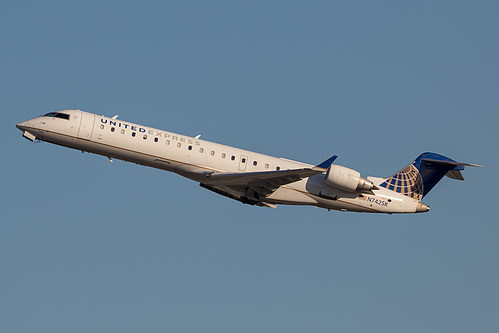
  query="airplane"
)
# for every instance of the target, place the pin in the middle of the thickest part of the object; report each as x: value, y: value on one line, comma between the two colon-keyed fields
x: 246, y: 176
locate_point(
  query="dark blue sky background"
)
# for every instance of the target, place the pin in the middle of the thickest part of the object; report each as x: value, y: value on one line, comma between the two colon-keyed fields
x: 86, y: 245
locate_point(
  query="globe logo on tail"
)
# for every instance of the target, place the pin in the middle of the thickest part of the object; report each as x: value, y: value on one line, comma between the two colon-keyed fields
x: 407, y: 181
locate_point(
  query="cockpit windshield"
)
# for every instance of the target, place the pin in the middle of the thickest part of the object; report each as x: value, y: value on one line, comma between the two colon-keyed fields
x: 57, y: 115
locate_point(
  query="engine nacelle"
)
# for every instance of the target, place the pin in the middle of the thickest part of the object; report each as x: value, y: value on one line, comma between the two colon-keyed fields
x: 347, y: 179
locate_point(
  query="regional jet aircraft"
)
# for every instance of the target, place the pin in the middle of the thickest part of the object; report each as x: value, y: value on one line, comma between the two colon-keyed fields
x: 246, y: 176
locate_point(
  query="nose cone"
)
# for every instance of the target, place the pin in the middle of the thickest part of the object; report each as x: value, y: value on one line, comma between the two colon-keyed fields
x: 22, y: 125
x: 422, y: 208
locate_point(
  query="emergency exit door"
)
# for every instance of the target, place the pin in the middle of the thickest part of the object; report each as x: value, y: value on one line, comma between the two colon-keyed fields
x: 243, y: 160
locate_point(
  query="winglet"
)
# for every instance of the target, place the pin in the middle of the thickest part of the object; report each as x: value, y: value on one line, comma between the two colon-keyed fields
x: 324, y: 165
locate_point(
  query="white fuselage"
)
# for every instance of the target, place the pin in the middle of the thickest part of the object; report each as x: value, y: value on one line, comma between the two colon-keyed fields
x: 194, y: 158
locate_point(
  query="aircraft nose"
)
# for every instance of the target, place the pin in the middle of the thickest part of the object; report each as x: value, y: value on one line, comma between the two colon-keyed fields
x: 22, y: 125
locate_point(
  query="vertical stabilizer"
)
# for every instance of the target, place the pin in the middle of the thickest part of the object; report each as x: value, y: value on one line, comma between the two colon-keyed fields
x: 419, y: 177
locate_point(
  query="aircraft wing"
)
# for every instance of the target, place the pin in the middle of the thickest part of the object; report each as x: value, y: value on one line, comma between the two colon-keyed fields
x: 264, y: 182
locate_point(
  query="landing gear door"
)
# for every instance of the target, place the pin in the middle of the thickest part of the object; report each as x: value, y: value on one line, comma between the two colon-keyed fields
x: 86, y: 125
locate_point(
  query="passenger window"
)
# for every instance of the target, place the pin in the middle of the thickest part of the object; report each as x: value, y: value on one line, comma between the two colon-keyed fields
x: 266, y: 165
x: 201, y: 150
x: 243, y: 160
x: 122, y: 131
x: 155, y: 139
x: 101, y: 126
x: 278, y: 168
x: 190, y: 147
x: 144, y: 137
x: 223, y: 155
x: 255, y: 163
x: 233, y: 158
x: 167, y: 142
x: 112, y: 129
x: 212, y: 153
x: 179, y: 145
x: 133, y: 134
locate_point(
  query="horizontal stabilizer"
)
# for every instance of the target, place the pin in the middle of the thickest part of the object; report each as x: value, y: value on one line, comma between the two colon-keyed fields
x: 455, y: 174
x: 450, y: 163
x: 454, y: 167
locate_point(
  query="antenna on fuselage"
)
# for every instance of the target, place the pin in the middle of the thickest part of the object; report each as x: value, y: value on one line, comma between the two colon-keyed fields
x: 197, y: 136
x: 115, y: 117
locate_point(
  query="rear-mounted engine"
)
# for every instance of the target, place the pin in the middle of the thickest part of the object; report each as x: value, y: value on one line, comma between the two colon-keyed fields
x: 347, y: 179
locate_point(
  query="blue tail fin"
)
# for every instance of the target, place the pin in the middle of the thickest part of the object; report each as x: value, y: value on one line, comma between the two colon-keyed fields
x: 419, y: 177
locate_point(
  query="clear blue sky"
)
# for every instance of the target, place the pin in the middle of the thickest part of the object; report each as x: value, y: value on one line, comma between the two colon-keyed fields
x: 90, y: 246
